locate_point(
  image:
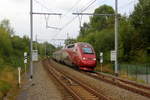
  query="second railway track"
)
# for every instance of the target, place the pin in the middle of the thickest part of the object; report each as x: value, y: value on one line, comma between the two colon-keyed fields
x: 78, y: 89
x: 143, y: 90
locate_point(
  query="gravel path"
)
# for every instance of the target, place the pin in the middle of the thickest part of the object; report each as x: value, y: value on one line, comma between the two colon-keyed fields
x: 42, y: 87
x: 105, y: 88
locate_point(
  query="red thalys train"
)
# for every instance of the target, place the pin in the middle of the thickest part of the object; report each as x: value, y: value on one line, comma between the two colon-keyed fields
x: 80, y: 55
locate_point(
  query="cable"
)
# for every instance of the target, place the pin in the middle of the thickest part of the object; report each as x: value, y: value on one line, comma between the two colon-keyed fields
x: 68, y: 23
x: 82, y: 10
x: 52, y: 27
x: 75, y: 4
x: 42, y: 5
x: 77, y: 16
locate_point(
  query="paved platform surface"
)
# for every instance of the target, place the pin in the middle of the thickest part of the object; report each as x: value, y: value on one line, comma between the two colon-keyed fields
x: 41, y: 87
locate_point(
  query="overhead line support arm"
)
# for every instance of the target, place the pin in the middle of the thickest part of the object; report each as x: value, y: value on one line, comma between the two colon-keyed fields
x: 93, y: 14
x: 37, y: 13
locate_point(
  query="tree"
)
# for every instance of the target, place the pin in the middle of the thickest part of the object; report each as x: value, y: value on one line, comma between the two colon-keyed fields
x: 6, y: 25
x: 140, y: 19
x: 5, y: 42
x: 70, y: 41
x: 102, y: 22
x: 84, y: 29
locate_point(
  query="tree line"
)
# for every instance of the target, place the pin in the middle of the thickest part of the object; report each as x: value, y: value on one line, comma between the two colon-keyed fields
x: 133, y: 38
x: 12, y: 47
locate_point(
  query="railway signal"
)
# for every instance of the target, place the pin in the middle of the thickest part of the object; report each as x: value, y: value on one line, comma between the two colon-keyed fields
x: 101, y: 59
x: 25, y: 61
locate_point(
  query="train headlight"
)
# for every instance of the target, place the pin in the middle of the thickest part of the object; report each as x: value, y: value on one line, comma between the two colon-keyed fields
x: 94, y: 58
x: 84, y: 58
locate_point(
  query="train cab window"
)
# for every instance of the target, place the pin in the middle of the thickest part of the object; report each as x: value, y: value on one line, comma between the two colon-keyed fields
x: 75, y: 49
x: 87, y: 50
x: 70, y: 46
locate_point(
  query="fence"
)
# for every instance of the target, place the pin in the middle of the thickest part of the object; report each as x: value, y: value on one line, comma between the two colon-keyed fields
x: 136, y: 72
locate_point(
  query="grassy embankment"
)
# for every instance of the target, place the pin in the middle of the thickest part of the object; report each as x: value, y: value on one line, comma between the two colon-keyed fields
x: 108, y: 68
x: 8, y: 82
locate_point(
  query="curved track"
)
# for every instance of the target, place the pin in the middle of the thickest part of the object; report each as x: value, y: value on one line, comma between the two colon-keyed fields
x: 78, y: 89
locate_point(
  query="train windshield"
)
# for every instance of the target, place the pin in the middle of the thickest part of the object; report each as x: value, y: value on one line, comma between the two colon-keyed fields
x: 87, y: 50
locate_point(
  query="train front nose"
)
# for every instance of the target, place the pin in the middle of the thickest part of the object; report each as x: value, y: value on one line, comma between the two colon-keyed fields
x: 89, y: 62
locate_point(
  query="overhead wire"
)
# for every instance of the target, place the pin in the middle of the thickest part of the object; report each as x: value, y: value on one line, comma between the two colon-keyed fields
x: 82, y: 10
x: 42, y: 5
x: 69, y: 22
x: 47, y: 17
x: 75, y: 4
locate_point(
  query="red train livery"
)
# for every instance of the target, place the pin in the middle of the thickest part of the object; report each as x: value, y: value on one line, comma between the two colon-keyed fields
x: 80, y: 55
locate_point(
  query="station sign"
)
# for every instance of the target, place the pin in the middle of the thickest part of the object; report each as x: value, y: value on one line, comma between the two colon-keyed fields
x: 113, y: 55
x: 34, y: 55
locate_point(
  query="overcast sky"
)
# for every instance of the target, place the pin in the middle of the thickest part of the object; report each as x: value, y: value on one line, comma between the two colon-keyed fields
x: 18, y: 12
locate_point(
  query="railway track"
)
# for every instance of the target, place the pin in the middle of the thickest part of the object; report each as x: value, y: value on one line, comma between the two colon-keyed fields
x: 143, y: 90
x: 78, y: 89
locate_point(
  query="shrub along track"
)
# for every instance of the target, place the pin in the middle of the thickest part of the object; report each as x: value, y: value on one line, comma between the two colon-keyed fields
x: 78, y: 89
x: 141, y: 89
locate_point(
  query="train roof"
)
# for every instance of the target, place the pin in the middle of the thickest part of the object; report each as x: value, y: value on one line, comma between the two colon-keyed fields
x: 83, y: 44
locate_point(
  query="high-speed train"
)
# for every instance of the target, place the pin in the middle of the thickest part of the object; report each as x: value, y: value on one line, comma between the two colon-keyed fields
x: 80, y: 55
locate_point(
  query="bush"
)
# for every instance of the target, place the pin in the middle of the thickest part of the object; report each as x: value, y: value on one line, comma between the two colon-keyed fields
x: 4, y: 88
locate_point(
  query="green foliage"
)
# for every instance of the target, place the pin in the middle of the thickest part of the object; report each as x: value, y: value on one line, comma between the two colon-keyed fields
x: 69, y: 41
x: 12, y: 50
x: 102, y: 22
x: 4, y: 87
x: 5, y: 42
x: 133, y: 37
x: 49, y: 48
x: 44, y: 49
x: 6, y: 25
x: 12, y: 47
x: 140, y: 19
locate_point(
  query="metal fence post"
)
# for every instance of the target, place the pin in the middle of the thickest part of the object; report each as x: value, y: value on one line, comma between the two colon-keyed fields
x: 146, y: 74
x: 136, y: 72
x: 127, y: 70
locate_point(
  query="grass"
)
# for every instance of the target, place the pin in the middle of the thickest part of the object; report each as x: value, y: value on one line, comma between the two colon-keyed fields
x: 4, y: 88
x: 128, y: 77
x: 107, y: 68
x: 8, y: 82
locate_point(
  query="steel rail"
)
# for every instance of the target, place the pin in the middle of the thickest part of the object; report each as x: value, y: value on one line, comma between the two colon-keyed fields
x: 127, y: 81
x: 51, y: 72
x: 128, y: 85
x: 84, y: 85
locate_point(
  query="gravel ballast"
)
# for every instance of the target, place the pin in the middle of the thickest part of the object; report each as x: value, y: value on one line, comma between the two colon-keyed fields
x: 105, y: 88
x: 42, y: 87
